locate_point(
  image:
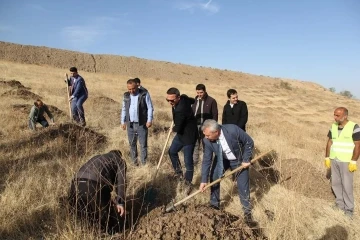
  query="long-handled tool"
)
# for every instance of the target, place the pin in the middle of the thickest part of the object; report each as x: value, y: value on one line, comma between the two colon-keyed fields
x: 68, y: 95
x: 149, y: 195
x: 163, y: 151
x: 172, y: 206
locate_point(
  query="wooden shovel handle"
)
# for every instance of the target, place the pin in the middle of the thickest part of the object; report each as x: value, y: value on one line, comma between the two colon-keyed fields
x: 163, y: 151
x: 220, y: 179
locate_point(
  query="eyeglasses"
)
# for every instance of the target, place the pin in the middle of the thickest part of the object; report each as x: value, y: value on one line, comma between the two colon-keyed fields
x: 172, y: 101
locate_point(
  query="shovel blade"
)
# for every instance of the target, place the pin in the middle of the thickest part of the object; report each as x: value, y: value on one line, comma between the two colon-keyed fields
x: 170, y: 207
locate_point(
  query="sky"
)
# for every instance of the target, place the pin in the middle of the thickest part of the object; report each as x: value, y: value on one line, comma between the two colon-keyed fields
x: 307, y: 40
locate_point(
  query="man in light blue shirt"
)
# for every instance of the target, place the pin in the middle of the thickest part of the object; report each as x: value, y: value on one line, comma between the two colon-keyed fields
x: 136, y: 117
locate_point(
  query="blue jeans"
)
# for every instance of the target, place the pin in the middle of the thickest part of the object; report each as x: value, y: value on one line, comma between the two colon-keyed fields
x: 188, y: 150
x: 242, y: 180
x: 77, y: 108
x: 135, y: 132
x: 42, y: 121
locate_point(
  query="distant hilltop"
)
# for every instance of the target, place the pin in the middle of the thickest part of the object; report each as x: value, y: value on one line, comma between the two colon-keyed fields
x: 113, y: 64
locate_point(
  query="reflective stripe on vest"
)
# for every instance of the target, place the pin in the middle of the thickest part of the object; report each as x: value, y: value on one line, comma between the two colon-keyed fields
x: 342, y: 146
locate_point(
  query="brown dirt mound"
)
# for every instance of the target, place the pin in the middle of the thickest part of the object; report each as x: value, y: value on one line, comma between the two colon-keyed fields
x: 300, y: 176
x: 21, y: 93
x: 108, y: 109
x: 78, y: 139
x: 11, y: 83
x: 64, y: 141
x: 193, y: 222
x: 25, y: 108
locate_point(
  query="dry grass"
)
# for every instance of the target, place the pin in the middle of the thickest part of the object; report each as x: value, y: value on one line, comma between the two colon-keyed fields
x: 36, y: 172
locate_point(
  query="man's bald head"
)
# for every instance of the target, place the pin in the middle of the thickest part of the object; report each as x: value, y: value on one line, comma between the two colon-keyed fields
x: 340, y: 115
x: 342, y: 109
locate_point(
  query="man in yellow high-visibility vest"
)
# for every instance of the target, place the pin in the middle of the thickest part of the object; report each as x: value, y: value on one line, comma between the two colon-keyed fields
x: 342, y: 153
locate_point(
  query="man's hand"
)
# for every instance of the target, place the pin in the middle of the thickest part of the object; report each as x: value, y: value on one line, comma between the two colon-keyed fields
x: 71, y: 98
x: 327, y: 163
x: 202, y: 186
x: 245, y: 164
x: 148, y: 124
x: 352, y: 166
x: 123, y: 126
x: 120, y: 209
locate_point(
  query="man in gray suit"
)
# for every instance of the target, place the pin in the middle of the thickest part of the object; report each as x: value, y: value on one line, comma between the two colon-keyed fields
x: 232, y: 147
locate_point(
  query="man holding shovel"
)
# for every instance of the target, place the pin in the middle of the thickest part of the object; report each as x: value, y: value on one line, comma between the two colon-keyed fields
x: 232, y: 147
x: 78, y: 95
x: 186, y: 134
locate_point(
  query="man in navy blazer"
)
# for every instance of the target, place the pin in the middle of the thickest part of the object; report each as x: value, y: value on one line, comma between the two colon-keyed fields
x: 78, y: 95
x: 232, y: 147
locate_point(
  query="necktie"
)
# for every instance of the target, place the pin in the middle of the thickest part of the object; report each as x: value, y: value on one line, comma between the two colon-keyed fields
x: 219, y: 165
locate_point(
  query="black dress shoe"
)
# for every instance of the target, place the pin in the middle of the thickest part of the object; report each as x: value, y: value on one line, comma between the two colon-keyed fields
x: 214, y: 207
x: 248, y: 218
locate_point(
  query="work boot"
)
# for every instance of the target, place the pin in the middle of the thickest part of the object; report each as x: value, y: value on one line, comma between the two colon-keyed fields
x: 248, y: 218
x: 188, y: 187
x: 349, y: 214
x: 214, y: 207
x: 177, y: 176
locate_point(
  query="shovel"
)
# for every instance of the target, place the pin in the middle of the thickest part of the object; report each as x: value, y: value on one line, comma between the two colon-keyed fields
x: 150, y: 195
x: 68, y: 95
x: 172, y: 206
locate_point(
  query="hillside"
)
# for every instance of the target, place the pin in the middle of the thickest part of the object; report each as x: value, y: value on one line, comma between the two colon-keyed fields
x: 291, y: 196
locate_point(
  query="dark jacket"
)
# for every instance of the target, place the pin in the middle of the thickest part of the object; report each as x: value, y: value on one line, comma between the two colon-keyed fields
x: 78, y: 88
x: 142, y: 107
x: 108, y: 169
x: 240, y: 143
x: 184, y: 120
x: 210, y: 109
x: 238, y: 114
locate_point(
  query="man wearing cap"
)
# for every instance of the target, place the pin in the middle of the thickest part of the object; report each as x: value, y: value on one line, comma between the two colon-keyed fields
x: 78, y: 95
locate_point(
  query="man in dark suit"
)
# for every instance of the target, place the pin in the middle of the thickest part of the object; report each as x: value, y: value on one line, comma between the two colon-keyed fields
x: 78, y: 95
x: 235, y: 111
x: 90, y: 192
x: 232, y: 147
x: 186, y: 134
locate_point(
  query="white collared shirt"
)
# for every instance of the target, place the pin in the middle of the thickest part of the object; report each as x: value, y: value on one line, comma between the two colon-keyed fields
x: 227, y: 153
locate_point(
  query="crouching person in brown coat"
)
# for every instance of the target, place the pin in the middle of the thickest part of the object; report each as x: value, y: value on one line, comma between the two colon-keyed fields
x: 90, y: 192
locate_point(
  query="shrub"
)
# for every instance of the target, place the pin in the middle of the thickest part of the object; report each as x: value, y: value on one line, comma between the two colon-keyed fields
x: 346, y: 93
x: 332, y: 89
x: 285, y: 85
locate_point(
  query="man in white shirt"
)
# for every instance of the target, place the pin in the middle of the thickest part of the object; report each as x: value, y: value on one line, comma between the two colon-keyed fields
x: 232, y: 147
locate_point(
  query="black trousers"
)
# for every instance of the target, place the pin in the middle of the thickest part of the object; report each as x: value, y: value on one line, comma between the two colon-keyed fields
x: 91, y: 201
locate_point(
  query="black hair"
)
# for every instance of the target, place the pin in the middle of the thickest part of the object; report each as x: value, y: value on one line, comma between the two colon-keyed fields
x: 173, y: 90
x: 200, y: 87
x: 231, y: 92
x: 131, y: 81
x: 73, y: 69
x: 137, y: 80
